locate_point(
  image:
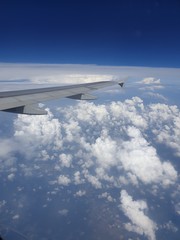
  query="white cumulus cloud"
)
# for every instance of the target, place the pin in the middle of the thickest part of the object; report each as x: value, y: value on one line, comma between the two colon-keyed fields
x: 80, y: 193
x: 136, y: 212
x: 41, y: 131
x: 151, y: 80
x: 141, y: 159
x: 11, y: 176
x: 165, y: 121
x: 100, y: 138
x: 63, y: 180
x: 65, y: 160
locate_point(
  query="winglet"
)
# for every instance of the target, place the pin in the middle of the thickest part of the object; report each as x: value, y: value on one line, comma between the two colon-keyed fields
x: 120, y: 82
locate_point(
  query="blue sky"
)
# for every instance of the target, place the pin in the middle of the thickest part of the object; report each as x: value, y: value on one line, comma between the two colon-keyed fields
x: 138, y: 33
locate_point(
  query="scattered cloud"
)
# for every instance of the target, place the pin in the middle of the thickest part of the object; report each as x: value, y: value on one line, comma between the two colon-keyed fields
x: 15, y: 217
x: 80, y: 193
x: 152, y: 87
x: 93, y: 180
x: 7, y: 148
x: 2, y: 204
x: 40, y: 129
x: 166, y: 125
x: 11, y: 176
x: 77, y: 178
x: 99, y: 138
x: 63, y: 180
x: 63, y: 212
x: 150, y: 80
x: 101, y: 146
x: 136, y: 211
x: 107, y: 196
x: 151, y: 84
x: 157, y: 96
x: 65, y: 160
x: 170, y: 226
x: 177, y: 208
x: 141, y: 159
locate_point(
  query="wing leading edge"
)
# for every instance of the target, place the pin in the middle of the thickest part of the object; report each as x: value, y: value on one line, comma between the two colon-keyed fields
x: 24, y: 101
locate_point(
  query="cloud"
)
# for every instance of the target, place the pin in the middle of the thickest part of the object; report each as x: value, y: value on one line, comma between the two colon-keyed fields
x: 107, y: 196
x: 77, y: 178
x: 177, y: 208
x: 104, y: 150
x: 92, y: 179
x: 51, y: 73
x: 7, y: 148
x: 80, y: 193
x: 63, y: 212
x: 136, y: 211
x: 141, y: 159
x: 166, y: 125
x: 44, y: 133
x: 74, y: 73
x: 15, y: 217
x: 150, y: 80
x: 63, y: 180
x: 92, y: 140
x: 151, y: 84
x: 65, y: 160
x: 2, y: 204
x: 152, y: 88
x: 157, y: 96
x: 170, y: 226
x: 138, y: 158
x: 11, y: 176
x: 107, y: 146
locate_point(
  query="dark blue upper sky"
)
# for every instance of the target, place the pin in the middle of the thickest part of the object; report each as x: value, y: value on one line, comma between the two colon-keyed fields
x: 124, y: 32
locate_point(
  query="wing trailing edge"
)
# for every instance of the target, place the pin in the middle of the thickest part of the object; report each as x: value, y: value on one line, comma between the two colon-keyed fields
x: 28, y: 110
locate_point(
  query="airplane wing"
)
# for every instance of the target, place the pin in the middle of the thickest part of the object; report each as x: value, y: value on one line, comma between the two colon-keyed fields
x: 24, y: 101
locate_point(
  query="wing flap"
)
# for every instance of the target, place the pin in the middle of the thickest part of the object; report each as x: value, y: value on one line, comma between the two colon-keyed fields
x: 83, y: 97
x: 27, y: 109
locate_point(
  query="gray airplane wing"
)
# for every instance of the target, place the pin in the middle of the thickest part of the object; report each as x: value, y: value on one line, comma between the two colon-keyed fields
x: 24, y: 101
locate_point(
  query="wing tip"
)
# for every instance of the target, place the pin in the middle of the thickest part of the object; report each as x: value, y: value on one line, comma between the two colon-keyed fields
x: 120, y: 82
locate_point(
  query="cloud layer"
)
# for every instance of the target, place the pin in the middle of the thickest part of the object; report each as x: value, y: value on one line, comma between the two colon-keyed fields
x: 93, y: 140
x: 105, y: 146
x: 64, y: 73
